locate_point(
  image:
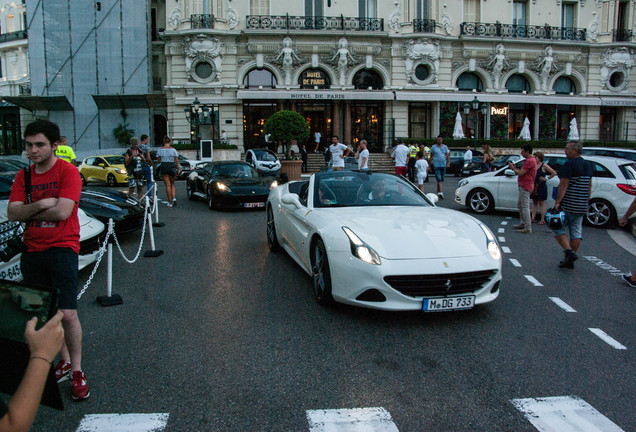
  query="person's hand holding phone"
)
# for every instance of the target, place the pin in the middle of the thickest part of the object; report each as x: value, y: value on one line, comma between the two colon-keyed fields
x: 46, y: 342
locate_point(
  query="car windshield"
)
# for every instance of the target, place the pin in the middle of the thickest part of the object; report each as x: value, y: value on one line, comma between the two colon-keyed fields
x: 353, y: 189
x: 265, y: 156
x: 235, y: 171
x: 114, y: 160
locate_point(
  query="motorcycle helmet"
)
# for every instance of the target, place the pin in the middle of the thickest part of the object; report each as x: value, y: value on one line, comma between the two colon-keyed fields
x: 555, y: 219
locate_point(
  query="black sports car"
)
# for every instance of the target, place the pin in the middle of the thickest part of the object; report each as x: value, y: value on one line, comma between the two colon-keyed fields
x: 229, y: 184
x: 127, y: 212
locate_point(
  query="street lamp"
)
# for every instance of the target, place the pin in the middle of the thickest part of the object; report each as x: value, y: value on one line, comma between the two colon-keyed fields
x: 475, y: 105
x: 198, y: 115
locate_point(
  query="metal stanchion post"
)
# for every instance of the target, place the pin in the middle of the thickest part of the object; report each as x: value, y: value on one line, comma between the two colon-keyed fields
x: 156, y: 204
x: 152, y: 253
x: 110, y: 299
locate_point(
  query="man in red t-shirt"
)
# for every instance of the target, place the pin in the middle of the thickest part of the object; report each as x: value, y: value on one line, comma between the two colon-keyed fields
x: 52, y: 237
x: 525, y: 180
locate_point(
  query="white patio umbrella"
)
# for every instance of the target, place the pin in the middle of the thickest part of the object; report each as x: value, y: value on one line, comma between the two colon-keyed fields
x: 573, y: 135
x: 525, y: 130
x: 458, y: 131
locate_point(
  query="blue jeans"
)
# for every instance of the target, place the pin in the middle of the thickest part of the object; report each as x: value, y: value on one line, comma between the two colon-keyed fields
x: 440, y: 173
x: 573, y: 224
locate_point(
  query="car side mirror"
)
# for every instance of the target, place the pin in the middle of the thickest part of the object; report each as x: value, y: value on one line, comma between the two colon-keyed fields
x: 291, y: 199
x: 432, y: 197
x: 509, y: 173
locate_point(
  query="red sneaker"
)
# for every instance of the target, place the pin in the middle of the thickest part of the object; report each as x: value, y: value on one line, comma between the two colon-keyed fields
x: 62, y: 370
x: 79, y: 386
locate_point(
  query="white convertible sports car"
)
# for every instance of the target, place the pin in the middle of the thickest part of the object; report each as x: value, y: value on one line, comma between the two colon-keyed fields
x: 374, y: 240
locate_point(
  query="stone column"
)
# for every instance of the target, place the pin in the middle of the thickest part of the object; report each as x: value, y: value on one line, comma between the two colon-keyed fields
x: 335, y: 122
x: 347, y: 123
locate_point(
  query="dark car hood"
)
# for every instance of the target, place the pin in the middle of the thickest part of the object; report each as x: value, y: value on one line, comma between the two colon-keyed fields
x: 241, y: 185
x: 105, y: 204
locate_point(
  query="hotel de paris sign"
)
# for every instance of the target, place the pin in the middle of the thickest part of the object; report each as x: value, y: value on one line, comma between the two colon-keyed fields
x: 316, y: 95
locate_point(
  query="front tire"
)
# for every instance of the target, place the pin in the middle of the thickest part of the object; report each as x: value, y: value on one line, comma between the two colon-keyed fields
x: 481, y: 201
x: 210, y: 199
x: 189, y: 193
x: 272, y: 240
x: 111, y: 180
x: 600, y: 213
x: 83, y: 179
x: 321, y: 274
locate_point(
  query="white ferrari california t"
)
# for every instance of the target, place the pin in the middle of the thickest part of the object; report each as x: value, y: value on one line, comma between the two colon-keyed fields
x: 374, y: 240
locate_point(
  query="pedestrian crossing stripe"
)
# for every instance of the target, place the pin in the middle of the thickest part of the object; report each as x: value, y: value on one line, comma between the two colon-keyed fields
x: 564, y: 414
x: 155, y: 422
x: 351, y: 420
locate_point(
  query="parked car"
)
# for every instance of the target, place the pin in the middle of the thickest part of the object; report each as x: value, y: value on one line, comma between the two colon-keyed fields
x: 90, y: 234
x: 622, y: 153
x: 126, y: 212
x: 185, y: 166
x: 265, y: 161
x: 18, y: 164
x: 103, y: 169
x: 613, y: 181
x: 338, y: 227
x: 457, y: 163
x: 229, y: 184
x: 500, y: 161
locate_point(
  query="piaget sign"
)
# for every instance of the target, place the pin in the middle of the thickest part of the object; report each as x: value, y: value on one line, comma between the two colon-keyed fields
x: 498, y: 110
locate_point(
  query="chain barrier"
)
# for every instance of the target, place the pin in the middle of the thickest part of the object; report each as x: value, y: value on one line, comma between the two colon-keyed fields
x: 111, y: 231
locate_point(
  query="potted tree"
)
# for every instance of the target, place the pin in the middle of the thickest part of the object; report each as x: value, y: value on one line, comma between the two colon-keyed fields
x: 288, y: 128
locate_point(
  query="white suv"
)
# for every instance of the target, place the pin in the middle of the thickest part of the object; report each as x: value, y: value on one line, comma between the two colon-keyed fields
x: 265, y: 161
x: 613, y: 188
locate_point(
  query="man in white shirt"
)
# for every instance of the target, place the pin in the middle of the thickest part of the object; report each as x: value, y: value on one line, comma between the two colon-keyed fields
x: 401, y: 156
x: 468, y: 156
x: 338, y: 153
x: 362, y: 155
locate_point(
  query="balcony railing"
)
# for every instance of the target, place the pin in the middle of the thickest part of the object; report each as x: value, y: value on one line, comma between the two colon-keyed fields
x: 522, y: 31
x: 423, y: 26
x: 622, y: 35
x: 6, y: 37
x: 202, y: 21
x: 286, y: 22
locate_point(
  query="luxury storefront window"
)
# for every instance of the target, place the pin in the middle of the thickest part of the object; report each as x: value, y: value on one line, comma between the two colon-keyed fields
x: 318, y: 116
x: 255, y: 114
x: 607, y: 126
x: 565, y: 114
x: 259, y: 78
x: 517, y: 114
x: 469, y: 81
x: 365, y: 79
x: 420, y: 120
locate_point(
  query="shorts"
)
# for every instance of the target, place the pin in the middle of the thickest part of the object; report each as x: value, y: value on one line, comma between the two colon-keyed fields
x: 54, y: 267
x: 168, y: 168
x: 421, y: 179
x: 440, y: 173
x: 337, y: 168
x: 135, y: 182
x: 401, y: 170
x: 573, y: 224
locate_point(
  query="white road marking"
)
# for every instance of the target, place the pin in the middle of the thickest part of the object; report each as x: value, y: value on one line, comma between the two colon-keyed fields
x: 564, y: 414
x: 506, y: 249
x: 501, y: 230
x: 502, y: 239
x: 563, y: 305
x: 504, y: 223
x: 533, y: 281
x: 605, y: 266
x: 608, y: 339
x: 351, y: 420
x: 515, y: 262
x: 155, y: 422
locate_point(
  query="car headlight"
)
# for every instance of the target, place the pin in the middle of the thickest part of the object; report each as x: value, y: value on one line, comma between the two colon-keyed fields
x: 360, y: 249
x: 462, y: 183
x: 121, y: 171
x: 222, y: 187
x: 273, y: 185
x: 493, y: 247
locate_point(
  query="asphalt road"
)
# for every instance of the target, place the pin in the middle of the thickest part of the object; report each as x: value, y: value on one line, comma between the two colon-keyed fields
x: 222, y: 335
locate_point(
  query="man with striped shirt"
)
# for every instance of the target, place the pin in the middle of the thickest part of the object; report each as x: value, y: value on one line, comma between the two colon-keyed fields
x: 572, y: 197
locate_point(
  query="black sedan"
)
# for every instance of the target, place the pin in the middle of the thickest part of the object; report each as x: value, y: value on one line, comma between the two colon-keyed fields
x: 457, y: 163
x: 229, y: 184
x: 127, y: 212
x: 499, y: 162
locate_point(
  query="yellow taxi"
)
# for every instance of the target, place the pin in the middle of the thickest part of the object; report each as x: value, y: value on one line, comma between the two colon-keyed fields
x: 103, y: 169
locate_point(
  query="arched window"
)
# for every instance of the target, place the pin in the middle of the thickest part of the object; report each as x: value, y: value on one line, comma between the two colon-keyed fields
x: 363, y: 79
x: 564, y: 85
x: 257, y: 78
x: 517, y: 84
x: 314, y: 78
x: 469, y: 81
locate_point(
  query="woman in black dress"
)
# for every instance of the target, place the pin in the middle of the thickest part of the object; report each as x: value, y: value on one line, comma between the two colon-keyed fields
x: 540, y: 192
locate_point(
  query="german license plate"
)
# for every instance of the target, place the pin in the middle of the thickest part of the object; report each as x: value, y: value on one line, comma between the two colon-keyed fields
x: 254, y: 204
x: 448, y: 303
x: 12, y: 273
